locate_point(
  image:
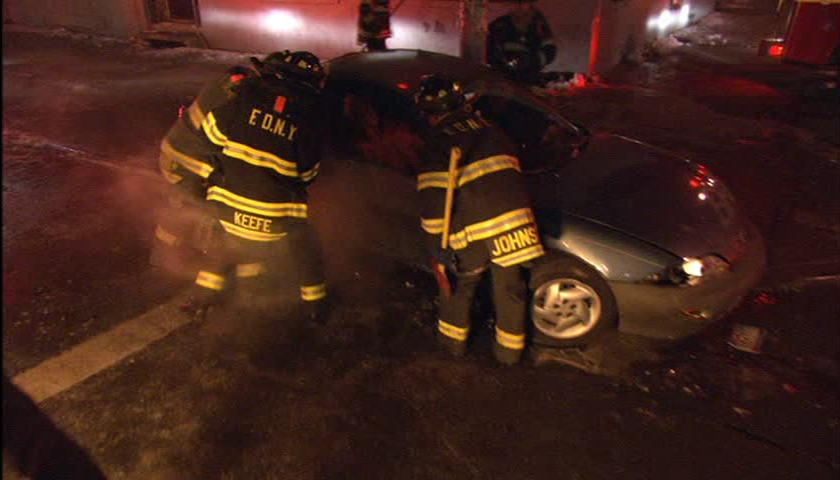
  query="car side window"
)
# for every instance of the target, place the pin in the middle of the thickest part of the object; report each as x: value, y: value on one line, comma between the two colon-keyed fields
x: 382, y: 130
x: 543, y: 143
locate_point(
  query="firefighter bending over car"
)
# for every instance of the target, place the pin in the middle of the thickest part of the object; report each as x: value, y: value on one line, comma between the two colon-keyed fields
x: 478, y: 215
x: 243, y: 155
x: 185, y: 224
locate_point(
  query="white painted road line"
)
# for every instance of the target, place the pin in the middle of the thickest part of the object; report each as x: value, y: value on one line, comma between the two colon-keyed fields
x: 59, y: 373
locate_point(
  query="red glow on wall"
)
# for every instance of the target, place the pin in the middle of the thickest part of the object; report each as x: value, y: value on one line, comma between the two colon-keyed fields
x: 402, y: 86
x: 594, y: 40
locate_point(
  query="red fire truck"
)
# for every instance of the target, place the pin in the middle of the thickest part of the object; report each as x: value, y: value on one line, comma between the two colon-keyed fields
x: 810, y: 32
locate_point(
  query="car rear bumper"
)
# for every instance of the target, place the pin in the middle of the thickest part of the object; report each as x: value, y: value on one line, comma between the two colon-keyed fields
x: 665, y: 312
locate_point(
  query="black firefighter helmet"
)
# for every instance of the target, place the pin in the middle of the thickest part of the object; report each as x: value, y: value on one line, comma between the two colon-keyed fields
x: 437, y: 94
x: 301, y: 66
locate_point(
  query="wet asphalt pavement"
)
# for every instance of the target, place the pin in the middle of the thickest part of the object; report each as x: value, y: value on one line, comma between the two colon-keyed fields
x: 242, y: 396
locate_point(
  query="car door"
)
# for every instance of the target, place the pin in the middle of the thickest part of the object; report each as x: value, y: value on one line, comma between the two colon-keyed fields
x: 374, y: 161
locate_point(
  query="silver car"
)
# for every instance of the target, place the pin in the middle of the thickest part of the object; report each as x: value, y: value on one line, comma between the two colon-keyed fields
x: 640, y: 239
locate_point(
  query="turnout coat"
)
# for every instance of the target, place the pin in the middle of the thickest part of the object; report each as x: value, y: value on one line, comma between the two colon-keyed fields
x: 269, y: 151
x: 492, y: 220
x: 250, y: 148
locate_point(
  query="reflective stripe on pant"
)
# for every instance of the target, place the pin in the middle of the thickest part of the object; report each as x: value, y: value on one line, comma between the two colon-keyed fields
x: 509, y: 302
x: 182, y: 234
x: 183, y: 221
x: 454, y: 322
x: 255, y: 265
x: 304, y: 246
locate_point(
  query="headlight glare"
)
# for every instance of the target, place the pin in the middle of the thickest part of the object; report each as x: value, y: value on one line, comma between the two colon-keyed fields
x: 693, y: 267
x: 691, y: 271
x: 696, y: 270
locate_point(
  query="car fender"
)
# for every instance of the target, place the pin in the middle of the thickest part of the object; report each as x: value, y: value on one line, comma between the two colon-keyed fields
x: 617, y: 256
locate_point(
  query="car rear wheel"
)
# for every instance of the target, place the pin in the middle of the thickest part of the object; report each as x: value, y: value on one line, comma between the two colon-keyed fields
x: 571, y: 304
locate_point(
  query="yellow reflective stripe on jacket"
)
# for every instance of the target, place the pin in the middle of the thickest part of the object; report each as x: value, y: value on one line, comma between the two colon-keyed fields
x: 260, y: 158
x: 167, y: 166
x: 501, y: 223
x: 432, y: 179
x: 194, y: 165
x: 311, y: 173
x: 433, y: 226
x: 212, y: 131
x: 520, y: 256
x: 510, y: 340
x: 244, y: 270
x: 210, y: 280
x: 195, y: 115
x: 251, y: 155
x: 219, y: 194
x: 453, y: 332
x: 469, y: 173
x: 313, y: 292
x: 251, y: 234
x: 164, y: 236
x: 481, y: 230
x: 487, y: 166
x: 170, y: 177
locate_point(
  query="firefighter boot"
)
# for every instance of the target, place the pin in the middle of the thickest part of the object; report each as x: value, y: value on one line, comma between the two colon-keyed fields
x: 505, y: 355
x: 198, y: 303
x: 455, y: 347
x: 316, y: 312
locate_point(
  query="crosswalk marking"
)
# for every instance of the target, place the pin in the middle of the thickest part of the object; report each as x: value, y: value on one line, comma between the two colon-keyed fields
x: 69, y: 368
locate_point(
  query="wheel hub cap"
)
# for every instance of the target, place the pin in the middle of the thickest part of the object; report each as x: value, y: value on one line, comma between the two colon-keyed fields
x: 565, y: 308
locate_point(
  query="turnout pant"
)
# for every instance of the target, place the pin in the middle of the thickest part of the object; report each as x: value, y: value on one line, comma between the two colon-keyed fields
x: 260, y: 269
x: 183, y: 233
x: 508, y: 300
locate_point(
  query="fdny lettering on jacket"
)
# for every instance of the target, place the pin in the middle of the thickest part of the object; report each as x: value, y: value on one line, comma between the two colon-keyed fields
x: 272, y: 123
x: 251, y: 222
x: 472, y: 123
x: 515, y: 240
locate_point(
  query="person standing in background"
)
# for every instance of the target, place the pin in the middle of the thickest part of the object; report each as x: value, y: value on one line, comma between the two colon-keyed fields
x: 374, y: 24
x: 520, y: 43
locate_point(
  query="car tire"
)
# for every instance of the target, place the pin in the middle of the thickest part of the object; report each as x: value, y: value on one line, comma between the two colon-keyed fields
x: 567, y: 291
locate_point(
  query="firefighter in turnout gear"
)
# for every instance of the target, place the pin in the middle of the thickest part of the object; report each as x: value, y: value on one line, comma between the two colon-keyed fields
x: 374, y: 24
x: 265, y: 141
x: 520, y: 44
x: 476, y: 211
x: 185, y: 223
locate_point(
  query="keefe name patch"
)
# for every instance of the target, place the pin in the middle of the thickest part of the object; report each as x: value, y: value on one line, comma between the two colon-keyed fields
x: 252, y: 222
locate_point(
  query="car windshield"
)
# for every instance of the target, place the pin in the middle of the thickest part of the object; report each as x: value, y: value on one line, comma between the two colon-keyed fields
x: 544, y: 144
x: 385, y: 126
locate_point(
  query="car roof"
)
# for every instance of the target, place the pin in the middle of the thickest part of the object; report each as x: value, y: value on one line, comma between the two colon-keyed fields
x: 401, y: 69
